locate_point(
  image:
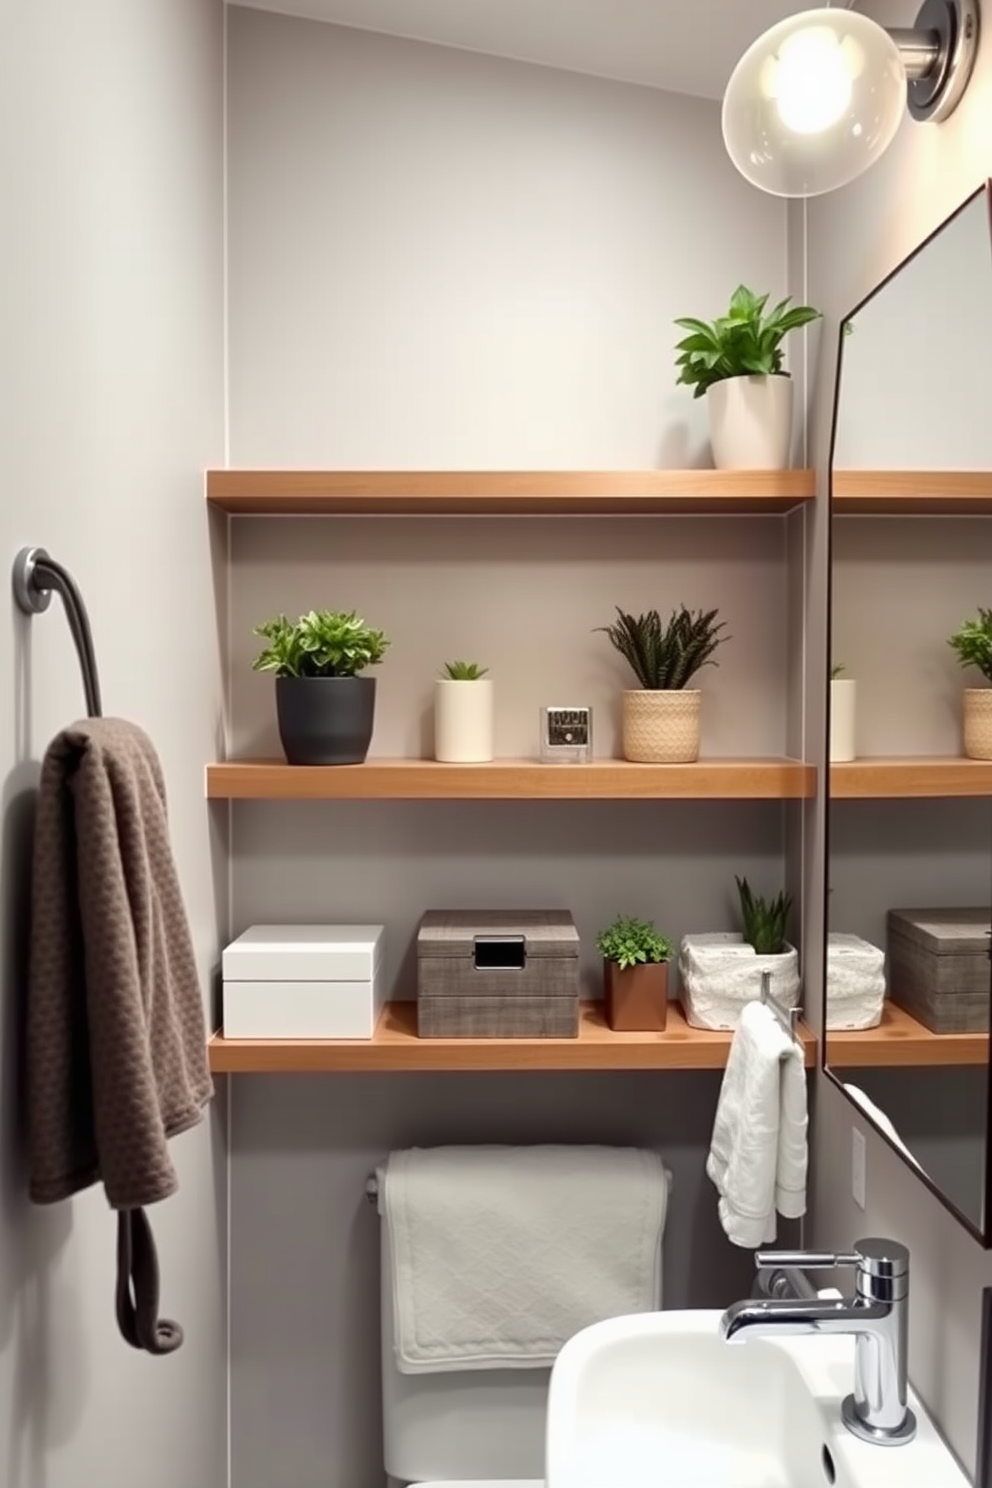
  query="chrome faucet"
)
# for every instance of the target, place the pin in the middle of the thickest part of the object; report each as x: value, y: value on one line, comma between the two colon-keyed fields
x: 877, y: 1316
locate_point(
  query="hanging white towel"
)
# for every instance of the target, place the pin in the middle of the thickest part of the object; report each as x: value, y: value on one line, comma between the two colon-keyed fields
x: 758, y: 1154
x: 501, y: 1254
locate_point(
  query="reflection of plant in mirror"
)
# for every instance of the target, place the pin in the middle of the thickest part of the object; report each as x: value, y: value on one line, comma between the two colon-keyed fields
x: 763, y: 921
x: 743, y: 343
x: 837, y: 670
x: 973, y: 643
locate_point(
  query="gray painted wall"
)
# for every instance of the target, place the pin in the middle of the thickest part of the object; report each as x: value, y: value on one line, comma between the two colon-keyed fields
x: 438, y: 259
x: 111, y: 402
x: 854, y: 238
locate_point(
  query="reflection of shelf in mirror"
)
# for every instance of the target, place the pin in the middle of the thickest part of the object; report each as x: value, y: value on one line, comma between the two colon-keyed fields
x: 279, y: 493
x: 508, y: 779
x: 912, y: 492
x: 396, y: 1046
x: 901, y: 1041
x: 901, y: 777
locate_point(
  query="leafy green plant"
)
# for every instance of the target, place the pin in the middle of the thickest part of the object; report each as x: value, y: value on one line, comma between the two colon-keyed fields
x: 742, y: 343
x: 763, y: 921
x: 322, y: 643
x: 464, y: 671
x: 973, y: 643
x: 666, y: 656
x: 837, y: 670
x: 631, y: 942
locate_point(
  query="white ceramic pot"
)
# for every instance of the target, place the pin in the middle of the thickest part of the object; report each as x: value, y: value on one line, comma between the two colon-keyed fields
x: 661, y: 728
x: 463, y: 721
x: 751, y: 422
x: 843, y: 709
x: 978, y: 722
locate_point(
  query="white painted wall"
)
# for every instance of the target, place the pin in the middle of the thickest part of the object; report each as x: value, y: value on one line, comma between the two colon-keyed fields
x: 443, y: 259
x: 856, y: 237
x: 111, y: 402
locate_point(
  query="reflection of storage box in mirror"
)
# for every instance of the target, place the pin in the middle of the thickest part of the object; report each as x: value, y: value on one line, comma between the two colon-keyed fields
x: 939, y: 967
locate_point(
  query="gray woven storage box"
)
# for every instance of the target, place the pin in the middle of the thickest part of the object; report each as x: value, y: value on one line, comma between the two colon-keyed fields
x: 939, y: 967
x: 497, y: 974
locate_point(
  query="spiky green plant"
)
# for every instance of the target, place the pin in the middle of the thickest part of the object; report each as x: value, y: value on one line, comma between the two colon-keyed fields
x: 973, y: 643
x: 464, y: 671
x: 763, y: 921
x: 666, y: 656
x: 742, y: 343
x: 837, y: 670
x: 322, y: 643
x: 631, y: 942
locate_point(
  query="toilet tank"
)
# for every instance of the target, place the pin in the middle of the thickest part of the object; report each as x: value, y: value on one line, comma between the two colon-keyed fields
x: 483, y: 1423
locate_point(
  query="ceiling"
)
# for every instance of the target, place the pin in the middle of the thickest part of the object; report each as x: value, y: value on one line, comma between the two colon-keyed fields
x: 687, y: 46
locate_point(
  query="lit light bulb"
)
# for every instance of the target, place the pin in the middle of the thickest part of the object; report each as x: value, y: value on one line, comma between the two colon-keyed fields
x: 812, y: 83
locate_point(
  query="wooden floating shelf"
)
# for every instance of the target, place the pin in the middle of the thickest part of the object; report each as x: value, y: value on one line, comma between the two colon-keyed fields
x: 901, y: 778
x: 507, y: 492
x: 912, y: 492
x: 420, y: 780
x: 901, y: 1041
x: 396, y: 1047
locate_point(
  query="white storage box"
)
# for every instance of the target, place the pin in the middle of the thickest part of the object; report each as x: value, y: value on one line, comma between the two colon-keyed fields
x: 304, y: 982
x: 855, y: 982
x: 721, y: 972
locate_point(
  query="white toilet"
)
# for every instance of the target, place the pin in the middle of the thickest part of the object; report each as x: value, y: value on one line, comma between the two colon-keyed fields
x: 475, y: 1429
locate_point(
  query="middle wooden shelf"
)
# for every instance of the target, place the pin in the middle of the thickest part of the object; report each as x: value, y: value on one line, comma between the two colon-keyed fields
x: 396, y: 1047
x: 511, y: 779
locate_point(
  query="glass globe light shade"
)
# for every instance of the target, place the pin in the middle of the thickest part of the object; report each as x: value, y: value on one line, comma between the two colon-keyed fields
x: 814, y: 102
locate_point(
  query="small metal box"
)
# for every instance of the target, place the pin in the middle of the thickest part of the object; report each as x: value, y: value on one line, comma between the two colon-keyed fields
x: 498, y: 974
x: 566, y: 736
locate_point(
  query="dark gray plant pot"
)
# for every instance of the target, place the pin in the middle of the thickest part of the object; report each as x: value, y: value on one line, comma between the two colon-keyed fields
x: 325, y: 720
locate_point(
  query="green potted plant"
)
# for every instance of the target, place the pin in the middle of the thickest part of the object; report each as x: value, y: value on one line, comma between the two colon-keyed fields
x: 720, y: 972
x: 737, y: 362
x: 973, y: 644
x: 326, y: 711
x: 843, y: 702
x: 463, y: 714
x: 661, y: 717
x: 635, y: 975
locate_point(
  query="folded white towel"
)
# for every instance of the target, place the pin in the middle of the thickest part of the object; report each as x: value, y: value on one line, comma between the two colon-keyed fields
x: 501, y: 1254
x: 758, y: 1155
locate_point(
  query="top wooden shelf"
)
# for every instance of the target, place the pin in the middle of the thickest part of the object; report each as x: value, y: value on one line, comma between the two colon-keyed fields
x: 912, y: 492
x: 902, y: 778
x: 507, y: 492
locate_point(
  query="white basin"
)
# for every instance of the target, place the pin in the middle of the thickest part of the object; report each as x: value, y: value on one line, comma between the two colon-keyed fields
x: 659, y: 1400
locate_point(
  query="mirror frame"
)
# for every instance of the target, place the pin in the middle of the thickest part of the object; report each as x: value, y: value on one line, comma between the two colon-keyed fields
x: 980, y: 1232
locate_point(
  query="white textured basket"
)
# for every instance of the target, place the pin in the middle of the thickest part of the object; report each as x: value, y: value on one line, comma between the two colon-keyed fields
x: 720, y: 973
x: 661, y: 728
x: 978, y: 722
x: 855, y: 983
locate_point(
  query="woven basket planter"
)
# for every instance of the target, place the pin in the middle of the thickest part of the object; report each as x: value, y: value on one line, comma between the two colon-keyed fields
x: 978, y: 722
x: 661, y: 728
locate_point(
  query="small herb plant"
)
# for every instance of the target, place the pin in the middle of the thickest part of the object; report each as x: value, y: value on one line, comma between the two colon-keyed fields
x: 666, y: 656
x: 464, y: 671
x: 631, y: 942
x: 322, y: 643
x: 973, y: 643
x: 837, y: 671
x: 744, y: 342
x: 763, y: 921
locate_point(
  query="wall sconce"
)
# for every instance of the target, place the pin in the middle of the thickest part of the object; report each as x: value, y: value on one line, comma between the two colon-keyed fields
x: 819, y: 97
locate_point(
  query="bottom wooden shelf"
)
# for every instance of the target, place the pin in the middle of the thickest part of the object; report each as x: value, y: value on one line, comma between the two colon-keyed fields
x: 901, y: 1041
x: 396, y: 1047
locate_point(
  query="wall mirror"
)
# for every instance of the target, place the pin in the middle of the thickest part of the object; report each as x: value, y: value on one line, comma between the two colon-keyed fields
x: 908, y: 981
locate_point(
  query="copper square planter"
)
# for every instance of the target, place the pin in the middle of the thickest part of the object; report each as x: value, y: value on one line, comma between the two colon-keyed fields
x: 636, y: 998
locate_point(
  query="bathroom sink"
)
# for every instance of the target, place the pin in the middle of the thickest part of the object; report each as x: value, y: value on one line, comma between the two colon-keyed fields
x: 659, y: 1400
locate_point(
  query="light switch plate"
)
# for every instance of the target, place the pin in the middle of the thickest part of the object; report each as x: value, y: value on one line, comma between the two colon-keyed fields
x: 859, y: 1168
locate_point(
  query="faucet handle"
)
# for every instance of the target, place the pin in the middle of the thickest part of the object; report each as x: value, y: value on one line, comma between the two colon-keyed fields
x: 886, y: 1258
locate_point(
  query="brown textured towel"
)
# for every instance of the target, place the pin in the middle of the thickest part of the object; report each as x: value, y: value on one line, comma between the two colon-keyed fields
x: 116, y: 1039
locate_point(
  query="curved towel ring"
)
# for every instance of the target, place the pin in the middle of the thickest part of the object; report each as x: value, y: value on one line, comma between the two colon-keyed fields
x: 35, y: 576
